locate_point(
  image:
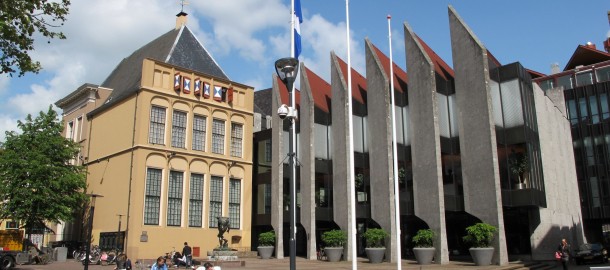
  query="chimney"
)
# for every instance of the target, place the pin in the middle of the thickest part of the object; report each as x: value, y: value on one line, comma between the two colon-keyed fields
x: 590, y: 45
x: 555, y: 68
x: 180, y: 19
x: 607, y: 44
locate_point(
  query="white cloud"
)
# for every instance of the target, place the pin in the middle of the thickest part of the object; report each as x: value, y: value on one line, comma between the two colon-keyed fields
x: 7, y: 123
x: 43, y: 95
x: 236, y: 26
x: 322, y: 37
x: 5, y: 81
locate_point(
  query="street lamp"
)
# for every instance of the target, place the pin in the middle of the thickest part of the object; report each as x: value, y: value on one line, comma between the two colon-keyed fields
x: 91, y: 210
x: 118, y: 235
x: 287, y: 69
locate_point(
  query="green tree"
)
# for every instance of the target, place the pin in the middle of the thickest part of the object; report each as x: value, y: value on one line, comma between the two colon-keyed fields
x: 19, y: 21
x: 38, y: 183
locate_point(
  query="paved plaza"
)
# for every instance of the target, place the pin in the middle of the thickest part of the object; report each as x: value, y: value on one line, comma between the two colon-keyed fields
x: 302, y: 264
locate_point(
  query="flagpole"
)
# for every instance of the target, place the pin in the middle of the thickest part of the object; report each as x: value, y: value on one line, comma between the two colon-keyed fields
x: 350, y: 150
x: 292, y: 151
x: 395, y: 154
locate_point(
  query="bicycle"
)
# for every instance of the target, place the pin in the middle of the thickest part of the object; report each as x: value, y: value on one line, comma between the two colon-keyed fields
x: 94, y: 256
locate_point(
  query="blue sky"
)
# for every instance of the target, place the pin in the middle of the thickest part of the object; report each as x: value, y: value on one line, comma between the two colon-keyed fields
x: 247, y: 36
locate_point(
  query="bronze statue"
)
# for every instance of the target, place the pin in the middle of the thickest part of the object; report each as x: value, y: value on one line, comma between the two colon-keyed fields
x: 223, y: 226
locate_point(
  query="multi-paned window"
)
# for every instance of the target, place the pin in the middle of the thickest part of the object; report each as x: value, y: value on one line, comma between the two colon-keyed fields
x: 196, y: 200
x: 199, y: 132
x: 215, y: 201
x: 237, y: 131
x: 156, y: 134
x: 218, y: 136
x: 179, y: 129
x: 234, y: 203
x: 152, y: 202
x: 174, y: 198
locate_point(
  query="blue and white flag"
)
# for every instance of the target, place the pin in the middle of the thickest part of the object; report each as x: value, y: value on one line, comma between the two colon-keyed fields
x: 186, y: 86
x: 218, y: 93
x: 197, y: 90
x: 297, y: 19
x: 177, y: 79
x: 206, y: 90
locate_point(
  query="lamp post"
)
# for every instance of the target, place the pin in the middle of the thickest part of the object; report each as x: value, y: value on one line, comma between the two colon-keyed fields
x: 287, y: 69
x: 91, y: 210
x: 118, y: 235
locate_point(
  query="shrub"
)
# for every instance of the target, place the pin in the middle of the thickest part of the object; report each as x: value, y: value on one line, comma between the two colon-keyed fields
x: 334, y: 238
x: 480, y: 235
x: 375, y: 237
x: 266, y: 239
x: 424, y: 238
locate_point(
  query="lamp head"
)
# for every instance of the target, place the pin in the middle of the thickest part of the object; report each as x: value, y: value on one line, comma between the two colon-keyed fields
x: 287, y: 69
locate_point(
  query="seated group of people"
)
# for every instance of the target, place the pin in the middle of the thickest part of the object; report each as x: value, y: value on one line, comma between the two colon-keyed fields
x: 180, y: 261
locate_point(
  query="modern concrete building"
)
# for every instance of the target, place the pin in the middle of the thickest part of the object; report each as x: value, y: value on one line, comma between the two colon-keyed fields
x: 585, y: 84
x: 462, y: 134
x: 168, y: 143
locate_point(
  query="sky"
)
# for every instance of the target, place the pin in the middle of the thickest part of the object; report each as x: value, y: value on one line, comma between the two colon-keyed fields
x: 245, y: 37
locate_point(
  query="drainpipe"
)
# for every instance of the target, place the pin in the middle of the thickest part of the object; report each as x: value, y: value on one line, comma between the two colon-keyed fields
x: 133, y: 138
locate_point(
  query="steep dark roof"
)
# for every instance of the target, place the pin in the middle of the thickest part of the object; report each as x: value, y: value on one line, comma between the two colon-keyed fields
x: 177, y: 47
x: 262, y: 101
x: 585, y: 56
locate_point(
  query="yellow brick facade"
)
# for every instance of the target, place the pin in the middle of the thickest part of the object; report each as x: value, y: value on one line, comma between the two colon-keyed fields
x: 120, y: 155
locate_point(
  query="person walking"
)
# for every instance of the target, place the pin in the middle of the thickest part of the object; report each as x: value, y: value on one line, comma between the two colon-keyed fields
x: 564, y: 249
x: 121, y: 262
x: 159, y: 265
x: 188, y: 254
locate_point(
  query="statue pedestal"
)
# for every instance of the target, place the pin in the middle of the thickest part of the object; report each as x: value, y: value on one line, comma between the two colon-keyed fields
x: 223, y: 255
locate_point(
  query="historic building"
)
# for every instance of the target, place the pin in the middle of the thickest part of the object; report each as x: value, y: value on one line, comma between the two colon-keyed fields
x: 477, y: 142
x: 167, y: 141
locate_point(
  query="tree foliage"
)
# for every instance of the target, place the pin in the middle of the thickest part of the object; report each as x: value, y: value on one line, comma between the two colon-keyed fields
x: 38, y: 183
x: 19, y: 21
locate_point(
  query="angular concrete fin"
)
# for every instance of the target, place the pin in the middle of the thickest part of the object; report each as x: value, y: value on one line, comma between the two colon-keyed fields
x: 425, y: 142
x: 370, y: 52
x: 307, y: 160
x: 454, y: 18
x: 411, y: 39
x: 340, y: 144
x: 277, y: 186
x: 380, y: 127
x: 478, y: 147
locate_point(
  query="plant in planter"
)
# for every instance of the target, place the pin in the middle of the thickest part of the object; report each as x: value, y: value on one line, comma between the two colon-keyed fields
x: 519, y: 165
x: 424, y: 246
x: 375, y: 248
x: 480, y: 236
x: 266, y: 241
x: 334, y: 241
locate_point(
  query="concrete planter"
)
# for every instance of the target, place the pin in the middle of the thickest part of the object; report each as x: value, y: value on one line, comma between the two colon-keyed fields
x: 333, y: 253
x: 375, y: 255
x: 482, y: 256
x: 265, y: 252
x: 424, y: 255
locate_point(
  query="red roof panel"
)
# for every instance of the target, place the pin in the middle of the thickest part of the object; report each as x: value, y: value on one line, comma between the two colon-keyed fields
x: 439, y: 65
x: 358, y: 81
x: 284, y: 97
x: 399, y: 74
x: 320, y: 90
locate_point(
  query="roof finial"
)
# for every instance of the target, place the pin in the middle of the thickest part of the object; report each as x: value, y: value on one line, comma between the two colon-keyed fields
x: 181, y: 17
x: 182, y: 4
